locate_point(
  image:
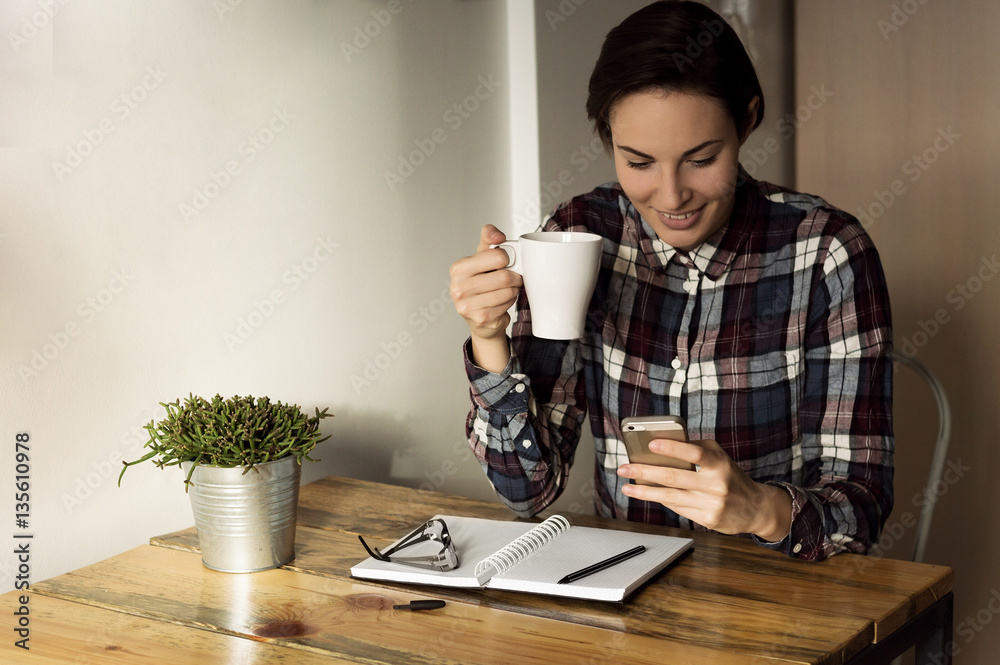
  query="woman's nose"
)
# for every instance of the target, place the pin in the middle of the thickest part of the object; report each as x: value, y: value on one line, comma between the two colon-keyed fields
x: 674, y: 193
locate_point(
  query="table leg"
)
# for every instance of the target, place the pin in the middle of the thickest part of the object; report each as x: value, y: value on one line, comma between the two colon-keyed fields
x: 930, y: 632
x: 936, y: 647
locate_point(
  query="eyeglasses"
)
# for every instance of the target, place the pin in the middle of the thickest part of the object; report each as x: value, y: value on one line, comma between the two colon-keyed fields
x: 434, y: 530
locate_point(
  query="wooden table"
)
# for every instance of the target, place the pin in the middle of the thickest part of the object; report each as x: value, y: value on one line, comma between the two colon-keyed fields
x: 729, y: 601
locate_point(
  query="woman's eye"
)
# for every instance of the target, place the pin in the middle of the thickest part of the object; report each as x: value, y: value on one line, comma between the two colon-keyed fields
x: 700, y: 163
x: 638, y: 165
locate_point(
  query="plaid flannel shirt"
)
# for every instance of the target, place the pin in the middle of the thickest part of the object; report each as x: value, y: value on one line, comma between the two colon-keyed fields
x: 772, y: 338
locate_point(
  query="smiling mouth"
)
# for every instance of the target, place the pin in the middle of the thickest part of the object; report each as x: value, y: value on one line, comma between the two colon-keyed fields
x: 679, y: 223
x: 682, y: 221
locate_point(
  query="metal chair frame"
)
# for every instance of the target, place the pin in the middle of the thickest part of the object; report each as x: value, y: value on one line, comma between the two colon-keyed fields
x: 940, y: 450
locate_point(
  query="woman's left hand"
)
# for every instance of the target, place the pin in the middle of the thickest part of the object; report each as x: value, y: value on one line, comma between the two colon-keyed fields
x: 718, y: 496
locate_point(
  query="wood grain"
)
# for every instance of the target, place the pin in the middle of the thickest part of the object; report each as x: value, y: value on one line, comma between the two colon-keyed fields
x: 355, y: 621
x: 68, y: 632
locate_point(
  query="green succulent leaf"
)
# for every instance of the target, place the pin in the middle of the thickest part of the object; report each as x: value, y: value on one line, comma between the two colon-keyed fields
x: 238, y: 431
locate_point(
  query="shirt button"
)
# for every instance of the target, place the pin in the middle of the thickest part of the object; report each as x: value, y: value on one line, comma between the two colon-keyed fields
x: 797, y: 548
x: 676, y: 363
x: 690, y: 287
x: 526, y: 444
x: 519, y: 388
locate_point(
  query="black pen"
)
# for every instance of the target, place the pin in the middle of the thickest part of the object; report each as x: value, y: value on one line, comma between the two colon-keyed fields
x: 416, y: 605
x: 601, y: 565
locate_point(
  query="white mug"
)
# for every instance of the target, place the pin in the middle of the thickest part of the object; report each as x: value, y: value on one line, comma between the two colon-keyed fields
x: 559, y: 270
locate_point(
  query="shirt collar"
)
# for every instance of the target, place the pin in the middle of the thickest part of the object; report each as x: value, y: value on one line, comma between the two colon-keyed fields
x: 714, y: 256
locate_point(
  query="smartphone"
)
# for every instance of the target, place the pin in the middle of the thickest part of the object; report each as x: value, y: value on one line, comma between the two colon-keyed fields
x: 638, y: 431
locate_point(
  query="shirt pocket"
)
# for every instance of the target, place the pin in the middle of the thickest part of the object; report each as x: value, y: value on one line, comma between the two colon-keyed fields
x: 760, y: 396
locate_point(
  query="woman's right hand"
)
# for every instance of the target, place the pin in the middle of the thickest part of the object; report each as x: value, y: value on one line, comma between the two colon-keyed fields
x: 483, y: 290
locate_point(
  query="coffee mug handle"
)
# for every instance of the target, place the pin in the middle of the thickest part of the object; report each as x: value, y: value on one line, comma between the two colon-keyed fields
x: 513, y: 256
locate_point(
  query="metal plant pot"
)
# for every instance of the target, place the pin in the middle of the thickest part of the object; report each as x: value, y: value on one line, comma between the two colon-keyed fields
x: 246, y: 522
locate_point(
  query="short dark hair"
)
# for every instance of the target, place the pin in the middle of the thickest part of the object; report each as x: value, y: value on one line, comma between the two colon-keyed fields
x: 675, y: 47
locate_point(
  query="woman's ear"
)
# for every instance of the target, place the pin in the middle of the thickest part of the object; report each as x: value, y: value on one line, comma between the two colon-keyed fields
x: 750, y: 119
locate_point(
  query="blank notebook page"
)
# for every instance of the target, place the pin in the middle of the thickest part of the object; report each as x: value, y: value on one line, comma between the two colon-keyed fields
x: 583, y: 546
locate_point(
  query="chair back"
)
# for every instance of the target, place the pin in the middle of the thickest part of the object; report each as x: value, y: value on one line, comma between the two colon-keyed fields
x: 940, y: 450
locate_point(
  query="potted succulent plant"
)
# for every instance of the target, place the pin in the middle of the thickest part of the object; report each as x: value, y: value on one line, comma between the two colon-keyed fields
x: 242, y: 461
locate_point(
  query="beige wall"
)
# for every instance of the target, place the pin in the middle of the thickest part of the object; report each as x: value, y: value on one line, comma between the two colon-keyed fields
x: 909, y: 136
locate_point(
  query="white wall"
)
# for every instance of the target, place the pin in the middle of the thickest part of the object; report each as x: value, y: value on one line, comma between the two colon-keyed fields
x: 140, y: 270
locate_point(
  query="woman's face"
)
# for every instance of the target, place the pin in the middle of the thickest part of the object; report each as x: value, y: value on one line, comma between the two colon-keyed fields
x: 676, y: 155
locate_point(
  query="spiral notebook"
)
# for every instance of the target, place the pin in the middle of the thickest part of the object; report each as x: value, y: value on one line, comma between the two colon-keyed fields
x: 518, y: 556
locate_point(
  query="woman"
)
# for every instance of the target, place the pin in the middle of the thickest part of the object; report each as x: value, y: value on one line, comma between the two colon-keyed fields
x: 757, y: 314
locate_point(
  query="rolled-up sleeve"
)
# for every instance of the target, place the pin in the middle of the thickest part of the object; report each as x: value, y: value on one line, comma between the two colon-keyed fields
x: 526, y: 443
